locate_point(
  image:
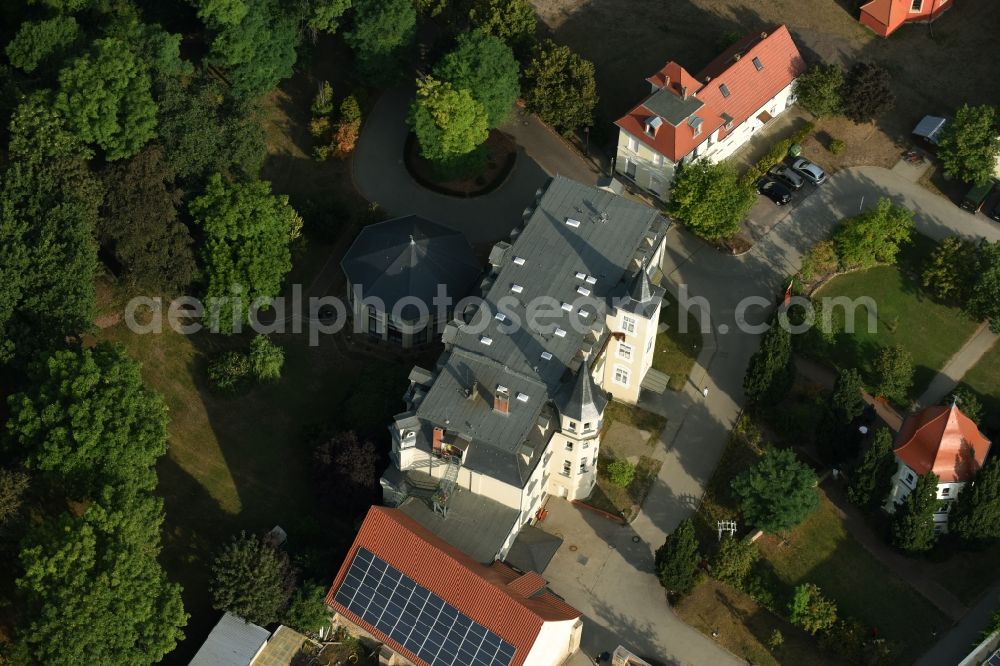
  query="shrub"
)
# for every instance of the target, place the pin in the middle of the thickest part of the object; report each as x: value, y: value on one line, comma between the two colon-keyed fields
x: 621, y: 473
x: 266, y: 359
x: 875, y: 236
x: 349, y: 126
x: 776, y: 640
x: 837, y: 146
x: 318, y: 127
x: 733, y: 562
x: 949, y: 273
x: 322, y: 104
x: 677, y: 559
x: 819, y: 261
x: 811, y: 610
x: 775, y: 155
x: 229, y: 372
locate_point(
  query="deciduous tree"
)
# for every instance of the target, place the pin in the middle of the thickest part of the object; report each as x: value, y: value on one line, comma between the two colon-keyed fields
x: 847, y: 399
x: 818, y: 261
x: 245, y: 253
x: 778, y: 492
x: 139, y: 223
x: 266, y: 359
x: 867, y: 92
x: 106, y: 99
x: 810, y: 610
x: 348, y: 469
x: 734, y: 561
x: 449, y: 124
x: 560, y: 87
x: 677, y: 559
x: 40, y: 42
x: 709, y: 198
x: 307, y: 610
x: 770, y: 372
x: 894, y: 369
x: 819, y: 89
x: 874, y: 237
x: 348, y: 127
x: 252, y: 579
x: 485, y: 66
x: 87, y: 420
x: 975, y: 516
x: 382, y: 36
x: 13, y: 485
x: 913, y: 520
x: 871, y: 480
x: 984, y: 299
x: 326, y: 14
x: 950, y: 271
x: 511, y: 20
x: 969, y: 144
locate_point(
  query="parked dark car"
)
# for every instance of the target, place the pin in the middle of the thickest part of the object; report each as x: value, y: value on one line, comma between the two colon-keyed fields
x: 975, y: 197
x: 992, y: 206
x: 809, y: 170
x: 786, y: 177
x: 774, y: 191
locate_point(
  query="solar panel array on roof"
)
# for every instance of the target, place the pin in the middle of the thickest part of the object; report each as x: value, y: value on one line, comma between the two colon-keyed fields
x: 417, y: 619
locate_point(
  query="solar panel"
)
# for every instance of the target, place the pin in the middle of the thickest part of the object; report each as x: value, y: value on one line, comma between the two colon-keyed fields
x: 416, y: 618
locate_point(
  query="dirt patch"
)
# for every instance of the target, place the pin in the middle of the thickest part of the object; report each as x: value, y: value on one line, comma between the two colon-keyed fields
x: 864, y: 144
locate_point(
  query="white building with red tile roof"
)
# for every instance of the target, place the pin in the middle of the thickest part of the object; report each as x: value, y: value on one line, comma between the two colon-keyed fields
x: 709, y: 115
x: 942, y: 440
x: 429, y: 604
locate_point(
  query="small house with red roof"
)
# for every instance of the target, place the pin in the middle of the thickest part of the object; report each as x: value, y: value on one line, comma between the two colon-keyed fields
x: 429, y: 604
x: 942, y: 440
x: 710, y: 115
x: 884, y: 16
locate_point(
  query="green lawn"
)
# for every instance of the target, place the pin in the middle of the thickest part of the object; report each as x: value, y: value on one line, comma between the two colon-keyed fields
x: 821, y: 551
x: 676, y: 352
x: 984, y: 379
x: 619, y: 501
x: 931, y: 332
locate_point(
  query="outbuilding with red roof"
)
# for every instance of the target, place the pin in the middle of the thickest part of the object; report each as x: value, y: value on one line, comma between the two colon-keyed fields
x: 942, y: 440
x: 709, y: 115
x: 884, y: 16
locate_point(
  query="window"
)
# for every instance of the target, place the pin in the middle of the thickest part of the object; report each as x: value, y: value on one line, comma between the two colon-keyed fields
x: 724, y: 89
x: 909, y: 477
x: 583, y: 465
x: 945, y: 492
x: 628, y: 324
x: 624, y: 351
x: 758, y: 64
x: 649, y: 345
x: 586, y: 445
x: 569, y: 446
x: 657, y: 159
x: 570, y: 222
x: 522, y: 397
x: 546, y: 356
x: 560, y: 333
x: 572, y: 426
x: 621, y: 375
x: 486, y: 340
x: 567, y: 467
x: 583, y: 291
x: 695, y: 123
x: 586, y: 427
x: 917, y: 5
x: 633, y: 145
x: 516, y: 288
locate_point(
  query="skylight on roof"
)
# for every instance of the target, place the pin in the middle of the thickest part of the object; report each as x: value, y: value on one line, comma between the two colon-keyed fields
x: 500, y: 316
x: 546, y: 356
x: 560, y: 333
x: 519, y: 261
x: 591, y: 279
x: 583, y: 313
x: 486, y: 340
x: 516, y: 288
x: 724, y: 89
x: 583, y: 291
x: 758, y: 64
x: 523, y: 397
x: 567, y: 307
x: 570, y: 222
x: 580, y: 276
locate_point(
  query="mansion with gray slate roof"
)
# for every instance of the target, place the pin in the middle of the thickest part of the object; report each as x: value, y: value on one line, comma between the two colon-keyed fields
x: 514, y: 408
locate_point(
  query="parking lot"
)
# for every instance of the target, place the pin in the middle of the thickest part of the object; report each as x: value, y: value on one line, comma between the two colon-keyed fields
x: 765, y: 214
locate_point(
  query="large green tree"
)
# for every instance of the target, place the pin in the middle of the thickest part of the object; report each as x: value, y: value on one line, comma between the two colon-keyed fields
x: 87, y: 421
x: 139, y: 223
x: 975, y: 516
x: 709, y: 199
x: 677, y: 559
x: 325, y: 15
x: 819, y: 89
x: 969, y: 144
x: 848, y: 398
x: 871, y: 480
x: 560, y: 87
x: 511, y: 20
x: 950, y: 271
x: 984, y: 299
x: 41, y: 42
x: 875, y: 236
x: 913, y: 519
x: 449, y: 124
x: 95, y: 577
x: 485, y: 66
x: 48, y: 258
x: 894, y: 368
x: 770, y: 372
x: 245, y: 252
x: 252, y: 579
x: 106, y: 99
x: 778, y: 492
x: 867, y: 92
x: 254, y: 41
x: 382, y: 37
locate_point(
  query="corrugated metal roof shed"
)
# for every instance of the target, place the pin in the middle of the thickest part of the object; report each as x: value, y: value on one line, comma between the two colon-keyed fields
x: 233, y: 642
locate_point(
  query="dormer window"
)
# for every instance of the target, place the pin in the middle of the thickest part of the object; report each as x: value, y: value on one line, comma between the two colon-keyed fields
x: 653, y: 124
x: 695, y: 122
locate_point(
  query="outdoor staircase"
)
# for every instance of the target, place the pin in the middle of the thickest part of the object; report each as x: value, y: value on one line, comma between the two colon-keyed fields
x: 447, y: 486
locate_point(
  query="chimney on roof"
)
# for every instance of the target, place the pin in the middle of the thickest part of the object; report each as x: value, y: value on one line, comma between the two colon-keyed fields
x: 684, y: 92
x: 737, y: 56
x: 473, y: 391
x: 437, y: 439
x: 763, y: 35
x: 501, y: 400
x: 666, y: 80
x: 707, y: 79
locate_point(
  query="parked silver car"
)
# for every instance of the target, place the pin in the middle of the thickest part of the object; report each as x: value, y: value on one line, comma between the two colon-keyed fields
x: 786, y: 177
x: 811, y: 172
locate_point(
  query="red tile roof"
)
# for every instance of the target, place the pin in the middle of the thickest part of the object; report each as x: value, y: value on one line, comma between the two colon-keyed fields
x: 944, y: 440
x: 511, y: 605
x: 884, y: 16
x: 749, y: 89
